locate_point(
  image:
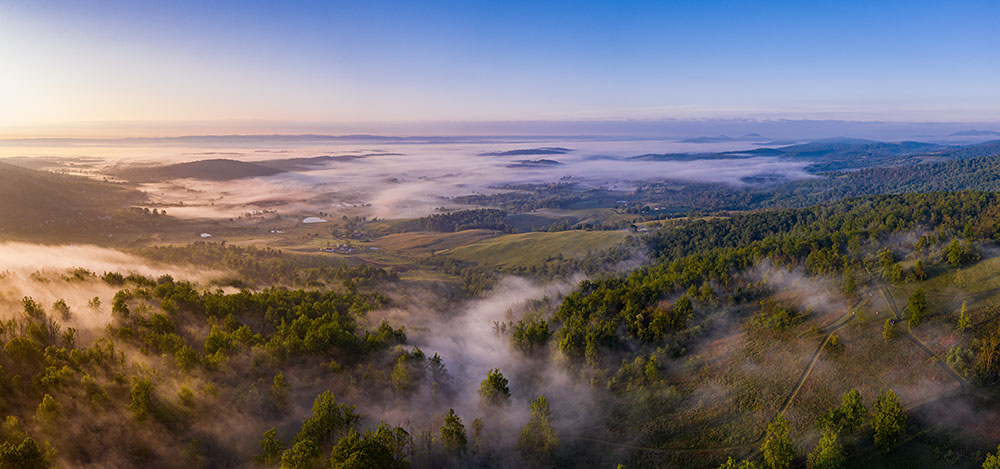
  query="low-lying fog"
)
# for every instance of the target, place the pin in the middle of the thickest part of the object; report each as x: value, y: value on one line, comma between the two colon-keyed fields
x: 393, y: 180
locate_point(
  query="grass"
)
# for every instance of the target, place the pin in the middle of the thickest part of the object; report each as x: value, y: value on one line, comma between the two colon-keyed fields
x: 425, y: 242
x: 980, y: 290
x: 528, y: 249
x: 540, y: 219
x: 742, y: 377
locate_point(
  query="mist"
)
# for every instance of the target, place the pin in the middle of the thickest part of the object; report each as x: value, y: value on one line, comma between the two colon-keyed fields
x: 403, y: 180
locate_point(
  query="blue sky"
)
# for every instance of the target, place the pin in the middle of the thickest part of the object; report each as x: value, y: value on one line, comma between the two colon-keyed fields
x: 378, y: 61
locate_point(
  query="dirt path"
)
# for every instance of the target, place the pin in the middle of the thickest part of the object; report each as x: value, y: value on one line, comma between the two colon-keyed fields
x: 913, y: 338
x: 831, y: 329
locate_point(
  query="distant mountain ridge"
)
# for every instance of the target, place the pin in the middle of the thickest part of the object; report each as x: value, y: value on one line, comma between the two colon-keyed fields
x: 751, y: 137
x: 974, y: 133
x: 829, y: 154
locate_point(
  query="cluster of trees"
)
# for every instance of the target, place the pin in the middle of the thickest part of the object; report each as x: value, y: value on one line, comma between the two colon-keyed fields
x: 176, y: 364
x: 172, y: 355
x: 961, y: 173
x: 330, y: 438
x: 529, y: 197
x: 254, y: 267
x: 970, y: 170
x: 485, y: 218
x: 839, y: 427
x: 477, y: 279
x: 704, y: 258
x: 703, y: 266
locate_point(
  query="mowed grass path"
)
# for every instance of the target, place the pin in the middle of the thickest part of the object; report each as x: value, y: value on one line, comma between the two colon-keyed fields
x: 528, y: 249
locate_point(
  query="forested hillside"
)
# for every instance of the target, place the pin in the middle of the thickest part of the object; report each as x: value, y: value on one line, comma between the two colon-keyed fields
x: 303, y: 378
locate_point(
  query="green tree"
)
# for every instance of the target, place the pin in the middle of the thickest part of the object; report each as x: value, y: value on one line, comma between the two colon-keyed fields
x: 49, y: 409
x: 270, y: 448
x: 917, y: 306
x: 281, y: 391
x: 652, y: 369
x: 733, y: 464
x: 538, y: 439
x: 187, y: 358
x: 142, y: 397
x: 853, y: 411
x: 777, y: 448
x: 964, y: 321
x: 62, y: 309
x: 886, y: 258
x: 918, y: 271
x: 992, y: 460
x: 889, y: 421
x: 402, y: 382
x: 26, y: 455
x: 327, y: 420
x: 302, y: 455
x: 849, y: 416
x: 954, y: 253
x: 888, y: 330
x: 850, y: 286
x: 829, y: 454
x: 493, y: 390
x: 681, y: 312
x: 453, y: 435
x: 385, y: 448
x: 477, y: 434
x: 895, y: 273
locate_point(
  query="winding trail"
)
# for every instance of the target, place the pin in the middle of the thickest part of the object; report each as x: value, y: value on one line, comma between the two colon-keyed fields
x: 831, y: 329
x: 913, y: 338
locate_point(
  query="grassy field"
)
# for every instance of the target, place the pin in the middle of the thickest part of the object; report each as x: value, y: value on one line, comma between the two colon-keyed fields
x: 979, y: 288
x: 424, y: 242
x: 527, y: 249
x: 540, y: 219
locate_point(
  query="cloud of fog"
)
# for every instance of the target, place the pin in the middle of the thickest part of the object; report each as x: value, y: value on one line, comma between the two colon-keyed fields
x: 45, y: 273
x: 406, y: 180
x: 818, y: 294
x: 467, y: 341
x: 25, y: 258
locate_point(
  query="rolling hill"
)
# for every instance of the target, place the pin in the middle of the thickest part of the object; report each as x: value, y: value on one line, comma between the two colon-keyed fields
x: 529, y: 152
x: 220, y: 169
x: 534, y: 248
x: 39, y: 200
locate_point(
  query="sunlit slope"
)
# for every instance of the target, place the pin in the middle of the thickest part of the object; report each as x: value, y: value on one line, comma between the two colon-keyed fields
x: 527, y: 249
x: 426, y: 242
x: 219, y: 169
x: 33, y: 201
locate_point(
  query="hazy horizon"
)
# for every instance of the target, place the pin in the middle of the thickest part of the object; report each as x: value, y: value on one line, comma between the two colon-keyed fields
x: 665, y: 128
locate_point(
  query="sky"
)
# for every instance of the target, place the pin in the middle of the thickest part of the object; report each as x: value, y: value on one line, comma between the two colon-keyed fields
x: 107, y: 67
